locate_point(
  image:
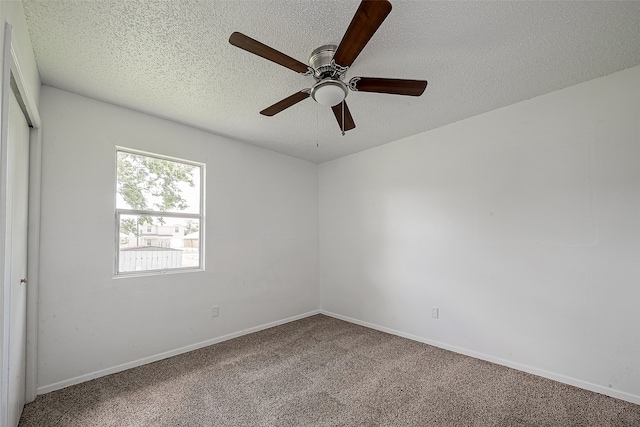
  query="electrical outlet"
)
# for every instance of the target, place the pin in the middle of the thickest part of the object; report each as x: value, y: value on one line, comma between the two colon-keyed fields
x: 435, y: 312
x: 215, y: 311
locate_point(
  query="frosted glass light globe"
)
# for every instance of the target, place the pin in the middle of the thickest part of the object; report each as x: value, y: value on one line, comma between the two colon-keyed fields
x: 329, y: 92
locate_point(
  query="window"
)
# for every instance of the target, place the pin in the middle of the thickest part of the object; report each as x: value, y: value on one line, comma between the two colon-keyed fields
x: 162, y: 194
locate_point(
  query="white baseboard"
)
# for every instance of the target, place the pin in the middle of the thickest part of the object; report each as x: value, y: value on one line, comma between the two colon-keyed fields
x: 504, y: 362
x: 166, y: 354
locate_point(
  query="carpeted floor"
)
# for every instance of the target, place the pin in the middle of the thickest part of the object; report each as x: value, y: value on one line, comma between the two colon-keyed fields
x: 320, y: 371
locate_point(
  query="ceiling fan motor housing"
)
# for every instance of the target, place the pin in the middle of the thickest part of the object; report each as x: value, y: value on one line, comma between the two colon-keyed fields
x: 320, y: 61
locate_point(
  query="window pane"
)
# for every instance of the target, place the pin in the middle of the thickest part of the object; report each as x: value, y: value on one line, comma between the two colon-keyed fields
x: 150, y: 183
x: 171, y: 243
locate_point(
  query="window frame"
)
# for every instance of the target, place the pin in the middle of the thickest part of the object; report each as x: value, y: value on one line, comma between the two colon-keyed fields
x: 140, y: 212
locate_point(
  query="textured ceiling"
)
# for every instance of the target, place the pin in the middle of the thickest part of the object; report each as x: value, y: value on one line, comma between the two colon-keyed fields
x: 172, y: 59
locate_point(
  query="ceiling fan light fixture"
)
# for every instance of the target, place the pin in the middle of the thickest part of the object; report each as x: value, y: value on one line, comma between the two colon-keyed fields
x: 329, y: 92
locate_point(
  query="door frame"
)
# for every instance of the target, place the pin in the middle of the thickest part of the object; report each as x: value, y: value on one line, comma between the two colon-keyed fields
x: 11, y: 72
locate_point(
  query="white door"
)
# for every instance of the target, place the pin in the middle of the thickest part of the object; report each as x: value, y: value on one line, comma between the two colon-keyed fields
x: 16, y: 255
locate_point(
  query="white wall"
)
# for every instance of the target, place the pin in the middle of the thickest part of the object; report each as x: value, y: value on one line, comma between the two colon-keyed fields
x: 261, y: 243
x: 522, y: 225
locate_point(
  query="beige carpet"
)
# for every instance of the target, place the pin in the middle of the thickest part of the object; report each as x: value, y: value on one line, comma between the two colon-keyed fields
x: 320, y: 371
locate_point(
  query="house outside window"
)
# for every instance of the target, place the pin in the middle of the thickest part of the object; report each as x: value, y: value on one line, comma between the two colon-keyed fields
x: 161, y: 198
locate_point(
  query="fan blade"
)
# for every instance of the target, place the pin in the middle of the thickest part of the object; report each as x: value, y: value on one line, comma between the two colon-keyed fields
x: 284, y: 104
x: 364, y: 24
x: 392, y: 86
x: 348, y: 120
x: 257, y: 48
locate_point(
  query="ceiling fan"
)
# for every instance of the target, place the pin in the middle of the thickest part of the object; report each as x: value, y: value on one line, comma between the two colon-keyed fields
x: 328, y: 65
